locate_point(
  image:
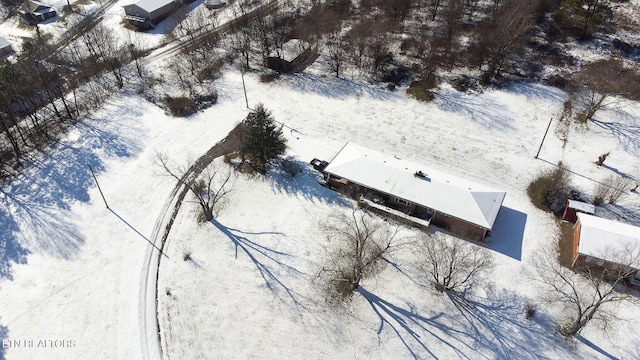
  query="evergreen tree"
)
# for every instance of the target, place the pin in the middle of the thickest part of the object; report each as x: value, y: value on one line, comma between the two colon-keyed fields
x: 263, y: 140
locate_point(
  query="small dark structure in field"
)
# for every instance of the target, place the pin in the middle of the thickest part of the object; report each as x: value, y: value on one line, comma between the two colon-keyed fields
x: 573, y: 207
x: 146, y: 14
x: 294, y: 56
x: 40, y: 13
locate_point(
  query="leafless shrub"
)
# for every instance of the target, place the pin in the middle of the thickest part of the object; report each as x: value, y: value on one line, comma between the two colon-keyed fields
x: 186, y: 254
x: 291, y: 167
x: 610, y: 189
x: 529, y: 311
x: 618, y: 186
x: 601, y: 159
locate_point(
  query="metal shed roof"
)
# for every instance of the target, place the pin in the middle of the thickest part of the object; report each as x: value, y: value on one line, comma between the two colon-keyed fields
x: 582, y: 206
x: 4, y: 43
x: 152, y: 5
x: 607, y: 239
x: 472, y: 202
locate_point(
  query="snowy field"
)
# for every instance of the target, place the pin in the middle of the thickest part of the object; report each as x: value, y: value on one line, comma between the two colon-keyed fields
x: 251, y: 289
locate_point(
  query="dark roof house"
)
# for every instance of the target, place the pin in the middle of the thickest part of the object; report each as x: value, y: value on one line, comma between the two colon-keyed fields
x: 38, y: 12
x: 146, y: 14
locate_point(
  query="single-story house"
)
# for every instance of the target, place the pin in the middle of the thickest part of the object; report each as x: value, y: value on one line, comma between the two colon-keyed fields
x: 5, y: 48
x: 573, y: 207
x: 606, y: 243
x: 146, y: 14
x: 384, y: 181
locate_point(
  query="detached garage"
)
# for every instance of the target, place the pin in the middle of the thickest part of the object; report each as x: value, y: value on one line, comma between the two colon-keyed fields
x: 607, y: 244
x: 146, y: 14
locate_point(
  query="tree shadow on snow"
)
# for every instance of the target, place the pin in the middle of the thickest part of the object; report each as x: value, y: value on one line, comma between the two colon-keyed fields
x: 35, y: 208
x: 533, y: 90
x: 508, y: 233
x: 488, y: 329
x: 413, y: 329
x: 595, y: 347
x: 628, y: 134
x: 267, y: 261
x: 307, y: 183
x: 337, y: 88
x: 480, y: 109
x: 499, y: 327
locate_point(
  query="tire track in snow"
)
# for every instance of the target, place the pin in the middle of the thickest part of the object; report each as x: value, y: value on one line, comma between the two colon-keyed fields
x: 148, y: 300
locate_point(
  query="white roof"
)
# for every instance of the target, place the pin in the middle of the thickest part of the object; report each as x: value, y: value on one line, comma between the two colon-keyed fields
x: 581, y: 206
x: 606, y: 239
x: 465, y: 200
x: 4, y: 43
x: 152, y: 5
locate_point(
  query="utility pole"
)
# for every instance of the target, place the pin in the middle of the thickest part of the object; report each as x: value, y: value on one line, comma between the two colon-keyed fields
x: 96, y: 180
x: 545, y: 135
x: 246, y: 100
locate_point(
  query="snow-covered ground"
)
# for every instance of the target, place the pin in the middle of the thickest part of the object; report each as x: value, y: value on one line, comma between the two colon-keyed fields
x: 251, y: 289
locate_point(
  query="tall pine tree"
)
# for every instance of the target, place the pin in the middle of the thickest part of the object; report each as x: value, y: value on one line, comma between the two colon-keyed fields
x: 263, y: 140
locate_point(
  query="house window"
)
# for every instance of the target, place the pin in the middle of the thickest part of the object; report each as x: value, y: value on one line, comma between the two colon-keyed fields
x: 402, y: 201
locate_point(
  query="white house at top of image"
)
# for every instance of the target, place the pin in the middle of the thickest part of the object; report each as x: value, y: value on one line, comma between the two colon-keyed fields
x: 214, y: 4
x: 146, y: 14
x: 413, y: 192
x: 604, y: 243
x: 37, y: 12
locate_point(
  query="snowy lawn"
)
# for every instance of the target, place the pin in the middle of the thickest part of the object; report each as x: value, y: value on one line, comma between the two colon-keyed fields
x: 250, y: 290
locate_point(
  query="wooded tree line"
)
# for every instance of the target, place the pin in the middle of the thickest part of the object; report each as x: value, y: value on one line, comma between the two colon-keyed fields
x: 40, y: 94
x: 364, y: 36
x: 393, y: 41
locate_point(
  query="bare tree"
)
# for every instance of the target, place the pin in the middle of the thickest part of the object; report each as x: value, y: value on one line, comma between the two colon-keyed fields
x: 336, y: 51
x: 209, y: 185
x: 503, y: 36
x: 106, y: 49
x: 452, y: 264
x: 590, y: 292
x: 596, y: 84
x: 361, y: 241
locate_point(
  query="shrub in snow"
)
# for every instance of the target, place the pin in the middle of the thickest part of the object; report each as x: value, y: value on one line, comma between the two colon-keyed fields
x: 529, y: 311
x: 419, y: 90
x: 550, y: 190
x: 601, y: 159
x: 181, y: 106
x: 291, y: 167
